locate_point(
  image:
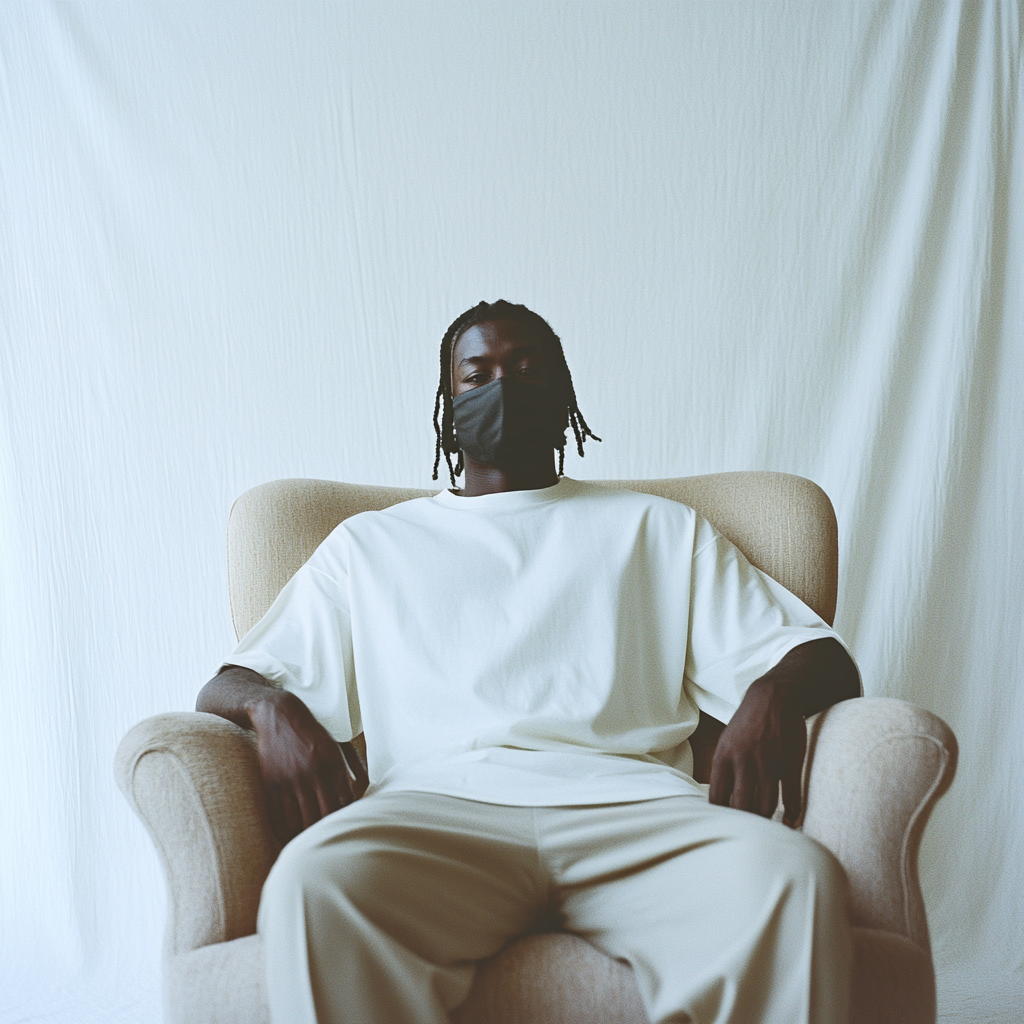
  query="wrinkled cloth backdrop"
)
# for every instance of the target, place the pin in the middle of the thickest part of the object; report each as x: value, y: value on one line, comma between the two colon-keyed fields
x: 772, y: 236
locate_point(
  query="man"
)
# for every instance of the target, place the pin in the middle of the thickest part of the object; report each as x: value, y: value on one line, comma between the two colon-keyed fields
x: 526, y: 659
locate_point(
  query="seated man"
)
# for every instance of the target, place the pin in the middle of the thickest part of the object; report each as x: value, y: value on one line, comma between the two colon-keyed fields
x: 527, y: 658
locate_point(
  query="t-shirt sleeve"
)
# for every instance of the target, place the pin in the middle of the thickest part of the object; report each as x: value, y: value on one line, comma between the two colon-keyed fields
x: 304, y: 642
x: 742, y: 623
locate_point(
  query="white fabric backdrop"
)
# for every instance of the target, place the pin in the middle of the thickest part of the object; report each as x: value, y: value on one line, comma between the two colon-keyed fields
x: 771, y: 235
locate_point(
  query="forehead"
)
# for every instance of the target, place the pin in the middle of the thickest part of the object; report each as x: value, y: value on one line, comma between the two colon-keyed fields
x: 494, y: 339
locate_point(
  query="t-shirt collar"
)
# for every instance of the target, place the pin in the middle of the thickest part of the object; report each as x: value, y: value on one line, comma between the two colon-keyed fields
x: 505, y: 500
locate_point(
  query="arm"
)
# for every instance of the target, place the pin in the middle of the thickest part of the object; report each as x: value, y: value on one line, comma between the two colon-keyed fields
x: 305, y: 773
x: 764, y: 744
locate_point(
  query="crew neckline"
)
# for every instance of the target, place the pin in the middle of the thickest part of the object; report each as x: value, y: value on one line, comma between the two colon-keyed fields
x: 504, y: 500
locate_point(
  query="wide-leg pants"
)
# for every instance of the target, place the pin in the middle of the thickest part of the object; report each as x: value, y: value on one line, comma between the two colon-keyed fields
x: 379, y: 912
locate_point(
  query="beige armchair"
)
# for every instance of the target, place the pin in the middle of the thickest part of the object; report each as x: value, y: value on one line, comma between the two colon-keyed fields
x: 874, y: 770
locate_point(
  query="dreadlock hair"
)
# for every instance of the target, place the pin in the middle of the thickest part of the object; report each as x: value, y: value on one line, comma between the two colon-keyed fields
x: 558, y: 372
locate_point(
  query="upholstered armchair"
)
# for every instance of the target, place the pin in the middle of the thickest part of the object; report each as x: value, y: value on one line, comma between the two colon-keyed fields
x: 873, y: 772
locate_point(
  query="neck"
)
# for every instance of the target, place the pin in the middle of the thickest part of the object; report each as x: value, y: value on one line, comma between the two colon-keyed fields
x: 524, y: 476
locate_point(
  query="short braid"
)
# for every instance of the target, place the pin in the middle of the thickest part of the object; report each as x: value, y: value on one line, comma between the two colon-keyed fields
x: 484, y: 312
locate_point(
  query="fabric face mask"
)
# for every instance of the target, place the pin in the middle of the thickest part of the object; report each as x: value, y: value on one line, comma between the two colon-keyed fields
x: 505, y: 419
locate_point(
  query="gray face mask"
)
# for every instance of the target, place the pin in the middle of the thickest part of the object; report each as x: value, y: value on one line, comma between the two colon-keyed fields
x: 507, y: 419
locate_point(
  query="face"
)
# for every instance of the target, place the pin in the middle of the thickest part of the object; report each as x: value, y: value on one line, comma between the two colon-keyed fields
x: 498, y: 348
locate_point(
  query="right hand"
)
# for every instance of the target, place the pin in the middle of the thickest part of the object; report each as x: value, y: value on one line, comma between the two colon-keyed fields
x: 306, y: 773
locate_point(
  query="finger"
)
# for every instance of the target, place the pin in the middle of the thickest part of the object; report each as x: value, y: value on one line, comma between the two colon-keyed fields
x: 338, y: 780
x: 328, y: 794
x: 767, y: 794
x: 791, y: 796
x: 744, y: 789
x: 275, y: 811
x: 721, y: 782
x: 309, y: 806
x: 345, y: 787
x: 291, y: 814
x: 355, y: 766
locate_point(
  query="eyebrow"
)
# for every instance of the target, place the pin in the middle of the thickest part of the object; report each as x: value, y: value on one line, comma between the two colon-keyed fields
x: 518, y: 351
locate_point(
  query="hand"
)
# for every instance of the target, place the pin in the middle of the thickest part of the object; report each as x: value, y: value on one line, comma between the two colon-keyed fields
x: 306, y: 773
x: 762, y: 746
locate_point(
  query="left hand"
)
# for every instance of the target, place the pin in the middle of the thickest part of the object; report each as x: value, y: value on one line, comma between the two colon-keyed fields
x: 762, y: 745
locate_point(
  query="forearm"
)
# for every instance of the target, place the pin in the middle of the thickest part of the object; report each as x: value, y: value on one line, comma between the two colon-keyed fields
x: 241, y: 696
x: 813, y: 676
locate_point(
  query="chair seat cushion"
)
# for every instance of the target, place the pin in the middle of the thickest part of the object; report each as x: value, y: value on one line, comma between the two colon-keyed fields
x: 540, y: 979
x: 552, y: 977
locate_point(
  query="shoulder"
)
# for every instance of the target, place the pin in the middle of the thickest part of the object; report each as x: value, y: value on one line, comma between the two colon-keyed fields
x: 394, y: 517
x: 332, y: 552
x: 660, y: 523
x: 621, y: 499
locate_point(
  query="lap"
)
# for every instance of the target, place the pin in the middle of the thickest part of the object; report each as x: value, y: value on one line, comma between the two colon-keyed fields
x: 451, y: 876
x: 569, y: 846
x: 686, y: 892
x: 683, y: 851
x: 696, y: 896
x: 614, y: 838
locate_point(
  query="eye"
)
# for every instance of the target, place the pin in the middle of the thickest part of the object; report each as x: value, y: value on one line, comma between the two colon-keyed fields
x: 476, y: 378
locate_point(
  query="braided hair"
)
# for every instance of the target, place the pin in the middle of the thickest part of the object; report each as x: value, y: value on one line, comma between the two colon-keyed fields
x: 560, y: 379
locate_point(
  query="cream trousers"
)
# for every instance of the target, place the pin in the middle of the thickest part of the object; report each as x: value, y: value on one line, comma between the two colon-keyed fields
x: 379, y: 912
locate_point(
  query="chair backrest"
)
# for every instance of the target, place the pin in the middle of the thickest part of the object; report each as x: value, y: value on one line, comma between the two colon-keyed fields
x: 784, y: 524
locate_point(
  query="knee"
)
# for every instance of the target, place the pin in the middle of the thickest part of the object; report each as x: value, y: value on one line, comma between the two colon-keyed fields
x: 778, y: 855
x: 303, y: 869
x: 334, y: 870
x: 811, y: 866
x: 290, y: 875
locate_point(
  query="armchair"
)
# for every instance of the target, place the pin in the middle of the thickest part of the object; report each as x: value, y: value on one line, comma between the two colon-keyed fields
x: 873, y: 772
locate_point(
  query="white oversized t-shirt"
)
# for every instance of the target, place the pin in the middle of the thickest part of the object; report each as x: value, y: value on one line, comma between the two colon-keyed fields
x: 544, y: 647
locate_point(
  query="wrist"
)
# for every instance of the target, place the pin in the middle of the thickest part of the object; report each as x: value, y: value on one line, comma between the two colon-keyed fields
x: 780, y: 690
x: 268, y: 708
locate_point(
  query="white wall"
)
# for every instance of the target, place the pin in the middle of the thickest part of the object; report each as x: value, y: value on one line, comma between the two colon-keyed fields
x: 771, y: 236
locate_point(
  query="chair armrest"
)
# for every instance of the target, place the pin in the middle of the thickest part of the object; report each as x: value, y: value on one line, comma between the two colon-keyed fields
x: 193, y: 779
x: 875, y: 769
